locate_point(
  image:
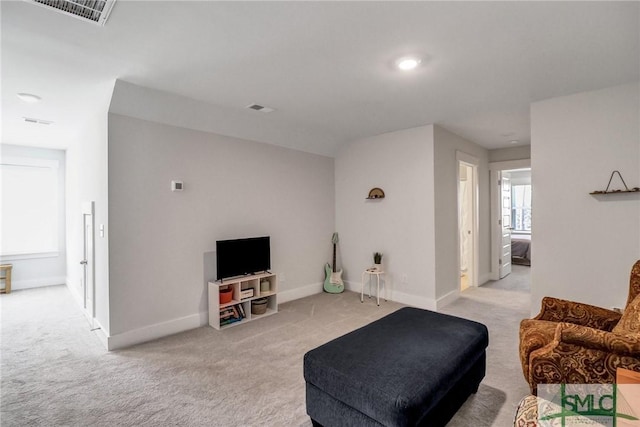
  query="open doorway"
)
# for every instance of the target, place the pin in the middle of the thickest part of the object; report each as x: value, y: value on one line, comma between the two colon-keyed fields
x: 510, y: 216
x: 33, y: 215
x: 467, y: 220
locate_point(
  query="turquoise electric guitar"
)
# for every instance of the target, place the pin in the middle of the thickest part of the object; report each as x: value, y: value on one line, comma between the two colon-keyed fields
x: 333, y: 281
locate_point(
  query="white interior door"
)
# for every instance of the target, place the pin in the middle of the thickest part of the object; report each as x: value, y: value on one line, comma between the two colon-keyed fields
x: 87, y: 262
x: 468, y: 222
x: 497, y: 242
x: 505, y: 223
x: 466, y: 186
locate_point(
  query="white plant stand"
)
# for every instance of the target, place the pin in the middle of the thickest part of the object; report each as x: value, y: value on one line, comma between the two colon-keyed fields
x: 371, y: 272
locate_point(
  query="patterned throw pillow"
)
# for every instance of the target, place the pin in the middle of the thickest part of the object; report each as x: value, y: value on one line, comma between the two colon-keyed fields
x: 527, y: 412
x: 630, y: 321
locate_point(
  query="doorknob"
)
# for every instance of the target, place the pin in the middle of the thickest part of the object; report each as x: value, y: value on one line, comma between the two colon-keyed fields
x: 83, y: 262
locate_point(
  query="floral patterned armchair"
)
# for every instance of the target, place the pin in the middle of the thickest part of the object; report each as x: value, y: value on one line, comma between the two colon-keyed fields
x: 575, y: 343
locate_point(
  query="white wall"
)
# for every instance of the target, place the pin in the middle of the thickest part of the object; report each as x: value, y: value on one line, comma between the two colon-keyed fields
x: 446, y: 210
x: 87, y: 181
x: 34, y: 272
x: 162, y: 243
x: 163, y: 107
x: 511, y: 153
x: 585, y: 245
x: 401, y: 225
x: 519, y: 177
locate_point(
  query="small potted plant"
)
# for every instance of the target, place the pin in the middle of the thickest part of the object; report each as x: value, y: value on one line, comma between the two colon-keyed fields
x: 377, y: 261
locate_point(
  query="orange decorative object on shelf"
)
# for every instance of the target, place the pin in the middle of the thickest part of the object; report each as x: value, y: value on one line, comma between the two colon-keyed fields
x: 226, y: 295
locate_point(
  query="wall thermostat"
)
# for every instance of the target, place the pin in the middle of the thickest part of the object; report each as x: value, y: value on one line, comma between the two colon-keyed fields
x: 177, y: 186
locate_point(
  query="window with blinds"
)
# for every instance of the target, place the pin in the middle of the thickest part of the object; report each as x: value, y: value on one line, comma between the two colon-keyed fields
x: 29, y: 206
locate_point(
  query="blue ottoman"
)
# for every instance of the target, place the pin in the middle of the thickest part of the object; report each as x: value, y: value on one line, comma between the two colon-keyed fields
x: 411, y: 368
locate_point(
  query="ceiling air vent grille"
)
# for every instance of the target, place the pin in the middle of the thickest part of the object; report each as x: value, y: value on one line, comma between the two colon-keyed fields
x: 37, y: 121
x: 261, y: 108
x: 89, y: 10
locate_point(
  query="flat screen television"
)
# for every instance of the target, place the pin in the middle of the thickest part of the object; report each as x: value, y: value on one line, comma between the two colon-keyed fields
x: 242, y: 256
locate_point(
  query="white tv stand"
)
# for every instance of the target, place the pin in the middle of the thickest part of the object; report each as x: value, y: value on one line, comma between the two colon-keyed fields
x: 237, y: 285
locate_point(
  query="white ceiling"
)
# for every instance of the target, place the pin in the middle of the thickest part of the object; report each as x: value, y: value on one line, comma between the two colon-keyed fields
x: 326, y: 67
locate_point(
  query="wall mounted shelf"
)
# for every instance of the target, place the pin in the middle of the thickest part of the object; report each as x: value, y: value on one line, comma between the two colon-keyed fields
x: 632, y: 190
x: 375, y: 193
x: 626, y: 189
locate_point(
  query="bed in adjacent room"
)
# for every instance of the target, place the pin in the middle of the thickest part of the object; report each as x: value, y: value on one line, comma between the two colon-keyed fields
x: 521, y: 249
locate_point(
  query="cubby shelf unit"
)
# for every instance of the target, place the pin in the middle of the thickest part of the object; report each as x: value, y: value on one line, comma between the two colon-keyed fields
x: 237, y: 285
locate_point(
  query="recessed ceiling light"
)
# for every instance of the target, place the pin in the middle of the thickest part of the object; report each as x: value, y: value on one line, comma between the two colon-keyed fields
x: 29, y: 97
x: 515, y: 141
x: 406, y: 64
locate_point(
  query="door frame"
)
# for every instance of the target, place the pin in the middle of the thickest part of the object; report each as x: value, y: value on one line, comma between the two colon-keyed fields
x: 494, y: 193
x: 474, y: 163
x: 88, y: 209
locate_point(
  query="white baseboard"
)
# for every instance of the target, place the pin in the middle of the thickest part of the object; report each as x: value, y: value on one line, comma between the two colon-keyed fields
x: 299, y: 292
x: 352, y: 286
x: 413, y: 300
x: 447, y: 299
x: 73, y: 290
x: 484, y: 279
x: 37, y: 283
x: 101, y: 334
x: 98, y: 329
x: 182, y: 324
x: 156, y: 331
x: 393, y: 295
x: 163, y: 329
x: 357, y: 287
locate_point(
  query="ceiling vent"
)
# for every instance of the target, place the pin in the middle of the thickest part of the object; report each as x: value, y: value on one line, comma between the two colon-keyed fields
x: 88, y: 10
x: 261, y: 108
x: 37, y: 121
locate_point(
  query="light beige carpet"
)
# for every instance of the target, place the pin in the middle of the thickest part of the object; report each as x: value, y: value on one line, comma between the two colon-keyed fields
x: 55, y: 372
